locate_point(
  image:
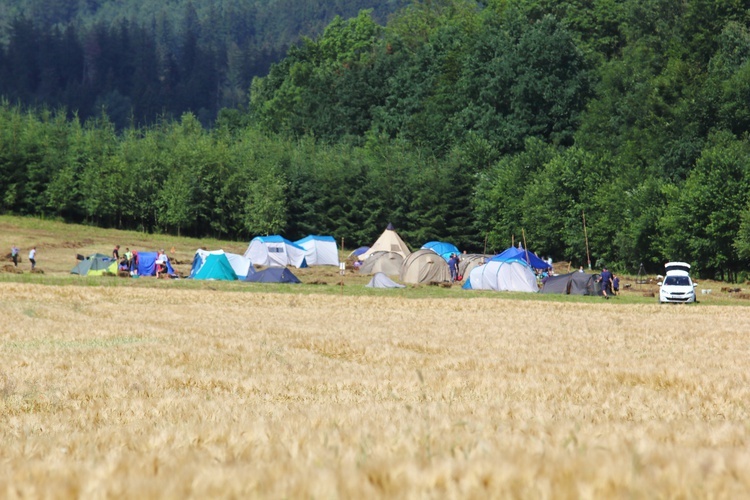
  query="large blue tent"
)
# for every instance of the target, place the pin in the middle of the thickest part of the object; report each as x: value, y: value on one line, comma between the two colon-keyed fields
x: 519, y: 253
x: 147, y: 264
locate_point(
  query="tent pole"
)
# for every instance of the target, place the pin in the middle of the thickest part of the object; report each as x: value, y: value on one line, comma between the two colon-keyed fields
x: 586, y: 236
x: 485, y: 245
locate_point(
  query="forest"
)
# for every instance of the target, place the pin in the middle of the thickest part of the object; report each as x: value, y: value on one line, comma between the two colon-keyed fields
x: 470, y: 122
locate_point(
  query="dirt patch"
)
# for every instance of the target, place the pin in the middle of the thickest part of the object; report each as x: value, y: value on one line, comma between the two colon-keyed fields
x: 7, y: 268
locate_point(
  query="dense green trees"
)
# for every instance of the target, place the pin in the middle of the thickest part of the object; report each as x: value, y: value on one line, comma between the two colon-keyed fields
x: 456, y: 120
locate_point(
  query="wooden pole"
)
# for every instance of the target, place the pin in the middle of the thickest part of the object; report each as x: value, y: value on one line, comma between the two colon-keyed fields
x: 586, y: 236
x: 485, y: 245
x: 525, y: 247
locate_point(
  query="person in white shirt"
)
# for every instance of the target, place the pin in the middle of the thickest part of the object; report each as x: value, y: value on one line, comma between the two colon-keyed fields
x: 32, y: 257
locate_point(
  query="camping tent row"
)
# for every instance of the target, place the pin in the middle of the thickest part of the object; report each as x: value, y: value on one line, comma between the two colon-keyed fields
x: 220, y: 265
x: 98, y: 264
x: 277, y: 251
x: 422, y: 266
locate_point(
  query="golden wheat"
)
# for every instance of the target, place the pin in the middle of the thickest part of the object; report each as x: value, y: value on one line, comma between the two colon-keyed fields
x: 127, y: 392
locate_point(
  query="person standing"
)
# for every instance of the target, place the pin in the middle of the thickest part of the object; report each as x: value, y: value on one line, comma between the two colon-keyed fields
x: 14, y: 255
x: 32, y: 258
x: 453, y: 266
x: 606, y: 280
x: 116, y: 253
x: 128, y: 257
x: 615, y: 284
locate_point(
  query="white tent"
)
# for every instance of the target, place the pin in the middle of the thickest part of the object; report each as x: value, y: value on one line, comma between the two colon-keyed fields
x: 389, y: 241
x: 380, y: 280
x: 275, y: 251
x: 319, y: 250
x: 509, y: 276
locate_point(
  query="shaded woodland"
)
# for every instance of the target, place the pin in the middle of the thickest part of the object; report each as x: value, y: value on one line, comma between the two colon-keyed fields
x: 455, y: 120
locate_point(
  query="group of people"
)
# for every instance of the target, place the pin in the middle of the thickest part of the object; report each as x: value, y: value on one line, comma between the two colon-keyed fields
x: 14, y: 252
x: 129, y: 260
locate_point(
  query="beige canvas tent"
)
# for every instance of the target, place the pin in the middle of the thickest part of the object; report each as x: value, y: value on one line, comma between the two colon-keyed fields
x: 389, y: 241
x: 382, y: 262
x: 425, y: 266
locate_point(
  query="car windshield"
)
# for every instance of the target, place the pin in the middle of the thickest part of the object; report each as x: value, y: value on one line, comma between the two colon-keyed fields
x: 677, y: 281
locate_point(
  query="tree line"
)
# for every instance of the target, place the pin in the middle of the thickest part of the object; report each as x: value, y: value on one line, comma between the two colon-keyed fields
x: 142, y: 61
x: 455, y: 120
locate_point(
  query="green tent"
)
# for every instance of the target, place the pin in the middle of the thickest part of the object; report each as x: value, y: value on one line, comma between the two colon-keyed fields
x: 95, y: 265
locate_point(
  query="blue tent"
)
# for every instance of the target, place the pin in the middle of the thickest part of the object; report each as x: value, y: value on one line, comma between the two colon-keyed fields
x: 214, y: 267
x: 273, y: 275
x: 359, y: 251
x: 525, y: 255
x: 441, y: 248
x: 147, y: 264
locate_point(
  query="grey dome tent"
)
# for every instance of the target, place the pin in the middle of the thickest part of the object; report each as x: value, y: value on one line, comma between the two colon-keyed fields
x: 380, y: 280
x: 273, y: 275
x: 575, y: 283
x: 383, y: 262
x: 470, y: 261
x: 425, y: 266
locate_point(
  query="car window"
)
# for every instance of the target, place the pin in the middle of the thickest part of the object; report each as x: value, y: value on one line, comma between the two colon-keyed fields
x: 677, y: 281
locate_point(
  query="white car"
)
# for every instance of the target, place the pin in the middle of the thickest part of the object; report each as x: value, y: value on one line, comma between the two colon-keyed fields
x: 677, y: 286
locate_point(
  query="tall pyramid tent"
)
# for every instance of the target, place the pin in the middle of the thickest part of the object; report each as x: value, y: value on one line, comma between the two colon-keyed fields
x: 273, y: 275
x: 503, y: 276
x: 212, y: 266
x: 275, y: 251
x: 95, y: 265
x: 382, y: 262
x: 389, y: 241
x: 380, y: 280
x: 319, y: 250
x: 574, y: 283
x: 441, y: 248
x: 424, y: 266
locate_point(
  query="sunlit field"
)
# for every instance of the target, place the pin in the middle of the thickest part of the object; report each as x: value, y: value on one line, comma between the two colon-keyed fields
x: 147, y: 392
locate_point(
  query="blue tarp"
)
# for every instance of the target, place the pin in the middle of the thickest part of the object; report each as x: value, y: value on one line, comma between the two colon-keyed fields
x: 147, y: 264
x: 273, y: 275
x: 521, y: 254
x: 442, y: 248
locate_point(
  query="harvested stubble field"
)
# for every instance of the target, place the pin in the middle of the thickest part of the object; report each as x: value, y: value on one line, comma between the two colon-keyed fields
x: 146, y: 392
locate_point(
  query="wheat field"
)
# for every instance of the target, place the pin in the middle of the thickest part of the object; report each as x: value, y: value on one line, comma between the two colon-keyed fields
x: 149, y: 393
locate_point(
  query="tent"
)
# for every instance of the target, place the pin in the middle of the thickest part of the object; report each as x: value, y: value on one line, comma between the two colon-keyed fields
x: 319, y: 250
x: 441, y: 248
x: 357, y: 252
x: 575, y: 283
x: 470, y: 261
x: 95, y: 265
x: 512, y: 275
x: 389, y: 241
x: 380, y: 280
x: 273, y: 275
x: 212, y: 266
x: 424, y: 266
x: 382, y: 262
x: 239, y: 264
x: 521, y: 254
x: 275, y: 251
x: 147, y: 264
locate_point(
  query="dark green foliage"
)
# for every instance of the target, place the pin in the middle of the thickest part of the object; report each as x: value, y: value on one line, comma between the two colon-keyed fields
x: 455, y: 120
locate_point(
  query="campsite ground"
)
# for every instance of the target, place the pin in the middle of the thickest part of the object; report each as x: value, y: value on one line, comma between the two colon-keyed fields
x: 167, y: 388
